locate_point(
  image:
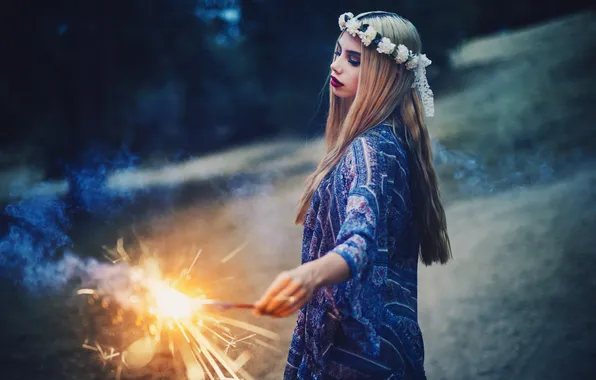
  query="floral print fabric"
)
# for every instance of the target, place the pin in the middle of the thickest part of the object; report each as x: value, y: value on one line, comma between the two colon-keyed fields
x: 367, y: 327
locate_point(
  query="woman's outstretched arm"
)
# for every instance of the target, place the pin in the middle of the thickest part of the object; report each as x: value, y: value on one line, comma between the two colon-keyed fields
x: 355, y: 242
x: 292, y: 289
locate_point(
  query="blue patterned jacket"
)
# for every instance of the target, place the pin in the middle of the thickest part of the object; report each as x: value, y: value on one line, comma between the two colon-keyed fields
x: 367, y: 327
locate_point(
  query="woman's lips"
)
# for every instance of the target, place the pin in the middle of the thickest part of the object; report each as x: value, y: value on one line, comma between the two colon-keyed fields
x: 335, y: 83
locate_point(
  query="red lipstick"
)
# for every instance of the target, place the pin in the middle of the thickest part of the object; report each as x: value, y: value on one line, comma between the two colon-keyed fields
x: 335, y: 83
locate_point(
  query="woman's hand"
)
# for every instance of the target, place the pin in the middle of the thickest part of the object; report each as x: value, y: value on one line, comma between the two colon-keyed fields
x: 293, y: 289
x: 288, y: 293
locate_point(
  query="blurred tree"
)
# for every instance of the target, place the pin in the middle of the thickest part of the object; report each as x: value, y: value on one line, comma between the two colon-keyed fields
x: 194, y: 75
x: 76, y: 70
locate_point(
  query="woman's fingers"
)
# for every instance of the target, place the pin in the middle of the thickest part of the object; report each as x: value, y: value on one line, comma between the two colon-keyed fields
x: 274, y: 289
x: 290, y: 291
x: 293, y: 304
x: 286, y: 296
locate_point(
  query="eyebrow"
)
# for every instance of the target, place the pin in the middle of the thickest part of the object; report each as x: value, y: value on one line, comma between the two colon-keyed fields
x: 349, y: 51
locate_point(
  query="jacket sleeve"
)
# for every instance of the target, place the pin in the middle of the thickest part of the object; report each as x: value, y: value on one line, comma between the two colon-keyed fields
x: 356, y: 241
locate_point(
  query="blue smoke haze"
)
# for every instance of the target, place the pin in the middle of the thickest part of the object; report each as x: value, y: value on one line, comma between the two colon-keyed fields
x: 39, y: 227
x: 36, y: 251
x: 90, y: 183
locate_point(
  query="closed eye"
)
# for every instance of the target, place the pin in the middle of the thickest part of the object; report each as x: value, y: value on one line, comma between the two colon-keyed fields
x: 353, y: 56
x: 354, y: 59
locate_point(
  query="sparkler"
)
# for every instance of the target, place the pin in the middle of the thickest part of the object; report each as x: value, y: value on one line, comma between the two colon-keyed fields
x: 192, y: 326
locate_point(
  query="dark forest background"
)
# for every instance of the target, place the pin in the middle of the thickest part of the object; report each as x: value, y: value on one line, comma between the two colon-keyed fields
x: 174, y: 78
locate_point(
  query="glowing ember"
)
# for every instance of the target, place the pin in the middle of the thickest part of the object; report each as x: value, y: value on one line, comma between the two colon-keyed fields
x: 170, y: 303
x: 203, y: 340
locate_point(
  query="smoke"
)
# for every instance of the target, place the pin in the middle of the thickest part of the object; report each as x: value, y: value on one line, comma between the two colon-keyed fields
x: 36, y: 250
x: 88, y: 272
x: 89, y: 183
x: 39, y: 249
x: 116, y: 281
x: 36, y: 233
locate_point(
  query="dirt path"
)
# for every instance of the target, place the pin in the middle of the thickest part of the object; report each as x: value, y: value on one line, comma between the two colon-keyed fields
x: 518, y: 301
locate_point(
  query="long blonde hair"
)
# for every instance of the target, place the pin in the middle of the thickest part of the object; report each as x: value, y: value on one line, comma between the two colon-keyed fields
x: 385, y: 93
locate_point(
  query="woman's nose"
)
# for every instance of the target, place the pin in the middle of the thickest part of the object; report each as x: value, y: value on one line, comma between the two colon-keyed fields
x: 335, y: 67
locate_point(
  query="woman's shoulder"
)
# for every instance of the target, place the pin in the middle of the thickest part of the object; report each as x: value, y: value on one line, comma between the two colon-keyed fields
x: 373, y: 155
x: 383, y: 138
x: 377, y: 146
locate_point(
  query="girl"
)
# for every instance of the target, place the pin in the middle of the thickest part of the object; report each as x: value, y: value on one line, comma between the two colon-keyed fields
x: 370, y: 210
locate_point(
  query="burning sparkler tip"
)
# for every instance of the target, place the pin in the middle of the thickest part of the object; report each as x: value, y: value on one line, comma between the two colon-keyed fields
x: 206, y: 342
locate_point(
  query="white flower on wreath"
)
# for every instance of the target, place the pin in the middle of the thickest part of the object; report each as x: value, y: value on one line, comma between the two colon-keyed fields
x: 402, y: 54
x: 352, y: 26
x: 368, y: 36
x: 342, y: 19
x: 412, y: 63
x: 385, y: 46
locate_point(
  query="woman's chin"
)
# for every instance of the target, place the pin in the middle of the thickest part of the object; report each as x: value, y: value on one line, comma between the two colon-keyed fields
x: 340, y: 92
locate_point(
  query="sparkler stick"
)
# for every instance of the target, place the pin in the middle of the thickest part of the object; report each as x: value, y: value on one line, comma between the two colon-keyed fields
x: 224, y: 305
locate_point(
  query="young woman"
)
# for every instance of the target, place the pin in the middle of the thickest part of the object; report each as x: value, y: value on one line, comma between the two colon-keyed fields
x: 370, y: 211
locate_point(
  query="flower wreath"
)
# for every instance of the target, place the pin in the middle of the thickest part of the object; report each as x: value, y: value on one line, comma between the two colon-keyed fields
x: 400, y: 53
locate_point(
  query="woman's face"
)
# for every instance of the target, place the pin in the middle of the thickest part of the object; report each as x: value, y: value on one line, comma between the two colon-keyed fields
x: 345, y: 68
